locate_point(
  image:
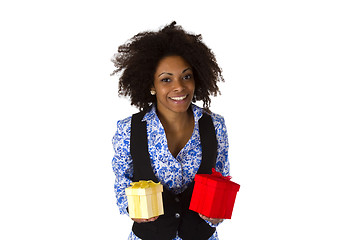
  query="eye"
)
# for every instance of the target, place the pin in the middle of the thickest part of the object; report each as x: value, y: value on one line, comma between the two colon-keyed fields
x: 165, y: 80
x: 188, y: 76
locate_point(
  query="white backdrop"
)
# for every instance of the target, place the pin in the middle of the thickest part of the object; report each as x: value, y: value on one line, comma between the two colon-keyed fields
x: 290, y: 101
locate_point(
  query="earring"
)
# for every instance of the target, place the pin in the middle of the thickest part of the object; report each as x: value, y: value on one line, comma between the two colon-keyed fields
x: 152, y: 92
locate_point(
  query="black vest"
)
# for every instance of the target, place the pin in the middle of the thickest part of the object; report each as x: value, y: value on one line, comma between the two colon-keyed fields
x: 177, y: 216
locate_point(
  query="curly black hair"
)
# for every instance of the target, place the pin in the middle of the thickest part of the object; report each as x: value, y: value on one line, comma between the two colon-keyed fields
x: 137, y: 60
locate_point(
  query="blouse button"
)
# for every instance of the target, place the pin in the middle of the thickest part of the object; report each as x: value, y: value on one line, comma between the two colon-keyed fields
x: 177, y: 215
x: 177, y: 199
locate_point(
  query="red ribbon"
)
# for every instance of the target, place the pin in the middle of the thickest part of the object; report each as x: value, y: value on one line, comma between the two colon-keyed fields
x: 219, y: 175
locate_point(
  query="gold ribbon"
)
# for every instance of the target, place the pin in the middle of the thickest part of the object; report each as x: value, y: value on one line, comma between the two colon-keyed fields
x: 143, y: 184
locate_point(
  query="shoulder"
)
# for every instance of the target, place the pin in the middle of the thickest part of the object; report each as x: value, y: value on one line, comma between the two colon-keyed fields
x: 218, y: 121
x: 124, y: 124
x: 123, y: 131
x: 219, y: 125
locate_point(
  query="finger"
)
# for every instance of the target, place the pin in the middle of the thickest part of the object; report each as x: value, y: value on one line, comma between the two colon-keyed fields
x: 212, y: 220
x: 139, y: 220
x: 204, y: 217
x: 144, y: 220
x: 152, y: 219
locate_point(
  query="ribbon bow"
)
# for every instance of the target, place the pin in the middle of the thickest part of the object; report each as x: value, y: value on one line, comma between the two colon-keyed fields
x: 219, y: 175
x: 143, y: 184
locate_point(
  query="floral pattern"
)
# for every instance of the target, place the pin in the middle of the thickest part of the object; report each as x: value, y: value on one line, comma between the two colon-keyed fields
x: 174, y: 173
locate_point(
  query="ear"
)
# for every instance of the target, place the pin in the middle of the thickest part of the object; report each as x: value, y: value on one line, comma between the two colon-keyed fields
x: 152, y: 91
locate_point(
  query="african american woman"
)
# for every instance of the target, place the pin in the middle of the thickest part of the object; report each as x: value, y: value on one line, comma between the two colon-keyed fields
x: 171, y: 139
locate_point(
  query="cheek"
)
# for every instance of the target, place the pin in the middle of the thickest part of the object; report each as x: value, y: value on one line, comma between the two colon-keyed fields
x: 192, y: 86
x: 162, y: 92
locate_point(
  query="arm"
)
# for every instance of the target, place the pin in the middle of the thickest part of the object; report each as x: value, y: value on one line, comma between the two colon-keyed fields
x: 123, y: 166
x: 222, y: 161
x: 122, y: 163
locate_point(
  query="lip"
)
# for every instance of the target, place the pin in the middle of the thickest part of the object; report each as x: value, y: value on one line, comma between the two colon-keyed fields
x: 180, y: 98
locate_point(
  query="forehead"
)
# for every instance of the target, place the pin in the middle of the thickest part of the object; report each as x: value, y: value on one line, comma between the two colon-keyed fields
x: 172, y: 63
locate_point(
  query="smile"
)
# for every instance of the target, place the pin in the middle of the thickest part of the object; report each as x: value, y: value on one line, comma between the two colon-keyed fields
x: 178, y: 98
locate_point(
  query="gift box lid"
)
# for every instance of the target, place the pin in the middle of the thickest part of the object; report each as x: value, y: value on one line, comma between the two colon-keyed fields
x: 216, y: 179
x: 143, y: 188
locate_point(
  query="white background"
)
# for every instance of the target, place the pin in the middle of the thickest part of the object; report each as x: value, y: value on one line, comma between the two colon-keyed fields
x: 290, y: 100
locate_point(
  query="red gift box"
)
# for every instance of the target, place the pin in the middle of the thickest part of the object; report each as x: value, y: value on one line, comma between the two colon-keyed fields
x: 214, y: 195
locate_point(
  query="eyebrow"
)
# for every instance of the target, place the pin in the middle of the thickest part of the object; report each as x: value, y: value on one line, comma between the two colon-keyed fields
x: 171, y: 74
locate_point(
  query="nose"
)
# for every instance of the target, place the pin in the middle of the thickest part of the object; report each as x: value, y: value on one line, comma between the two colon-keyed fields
x: 178, y: 86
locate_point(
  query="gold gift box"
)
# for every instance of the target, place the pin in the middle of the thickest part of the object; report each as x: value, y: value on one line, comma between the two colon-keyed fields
x: 145, y: 199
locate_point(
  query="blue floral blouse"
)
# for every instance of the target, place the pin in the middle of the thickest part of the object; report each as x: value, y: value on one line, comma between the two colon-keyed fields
x: 176, y: 174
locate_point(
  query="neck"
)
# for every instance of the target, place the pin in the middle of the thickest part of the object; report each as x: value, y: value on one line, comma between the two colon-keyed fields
x: 175, y: 121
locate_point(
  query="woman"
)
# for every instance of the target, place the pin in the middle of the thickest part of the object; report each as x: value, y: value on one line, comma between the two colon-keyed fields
x: 170, y: 139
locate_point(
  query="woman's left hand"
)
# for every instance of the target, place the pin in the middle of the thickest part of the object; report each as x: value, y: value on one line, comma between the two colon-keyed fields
x: 214, y: 221
x: 143, y: 220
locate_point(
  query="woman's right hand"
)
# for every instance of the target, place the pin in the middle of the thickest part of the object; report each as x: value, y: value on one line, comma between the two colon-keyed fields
x: 142, y: 220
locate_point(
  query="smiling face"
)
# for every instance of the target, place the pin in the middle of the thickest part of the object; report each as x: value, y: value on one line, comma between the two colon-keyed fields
x: 174, y: 85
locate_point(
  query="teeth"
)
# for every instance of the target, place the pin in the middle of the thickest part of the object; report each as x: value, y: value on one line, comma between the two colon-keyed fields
x: 178, y: 98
